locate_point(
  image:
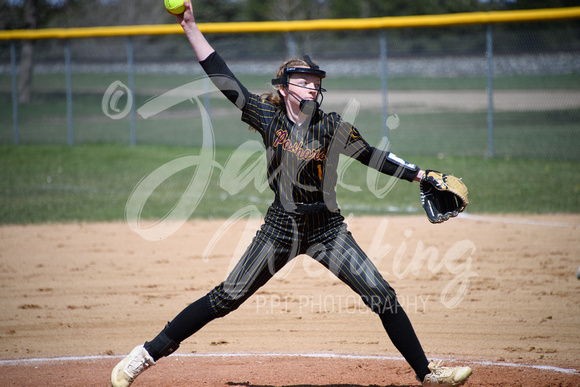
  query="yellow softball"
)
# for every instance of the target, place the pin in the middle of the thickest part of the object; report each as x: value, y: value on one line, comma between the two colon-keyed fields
x: 175, y: 7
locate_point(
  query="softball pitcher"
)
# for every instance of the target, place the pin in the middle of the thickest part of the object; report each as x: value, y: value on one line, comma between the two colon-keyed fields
x: 303, y: 147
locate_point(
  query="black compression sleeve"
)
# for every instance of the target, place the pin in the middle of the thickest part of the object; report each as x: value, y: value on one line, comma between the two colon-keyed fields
x: 401, y: 332
x: 391, y: 164
x: 223, y: 78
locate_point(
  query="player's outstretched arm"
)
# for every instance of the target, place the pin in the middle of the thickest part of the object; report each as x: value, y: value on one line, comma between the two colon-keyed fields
x: 187, y: 21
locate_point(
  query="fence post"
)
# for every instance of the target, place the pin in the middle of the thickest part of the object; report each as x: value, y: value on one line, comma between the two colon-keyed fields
x: 69, y: 101
x: 131, y: 76
x: 14, y: 71
x: 489, y: 54
x: 384, y: 70
x: 291, y: 45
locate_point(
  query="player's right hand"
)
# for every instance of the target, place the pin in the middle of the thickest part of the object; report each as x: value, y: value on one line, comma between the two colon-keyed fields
x: 187, y: 16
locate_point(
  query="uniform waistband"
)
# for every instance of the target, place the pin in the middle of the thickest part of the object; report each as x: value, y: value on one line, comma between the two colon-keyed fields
x: 301, y: 208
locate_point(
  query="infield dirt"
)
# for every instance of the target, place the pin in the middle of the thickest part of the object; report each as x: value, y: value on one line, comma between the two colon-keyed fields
x: 497, y: 293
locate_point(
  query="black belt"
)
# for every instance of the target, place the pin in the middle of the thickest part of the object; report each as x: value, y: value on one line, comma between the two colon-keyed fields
x: 301, y: 208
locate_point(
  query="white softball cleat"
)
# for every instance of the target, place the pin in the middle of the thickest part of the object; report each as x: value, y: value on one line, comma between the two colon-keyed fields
x: 131, y: 366
x: 446, y: 376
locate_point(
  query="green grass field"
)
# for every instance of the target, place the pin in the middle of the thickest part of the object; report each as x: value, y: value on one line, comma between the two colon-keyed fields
x: 45, y: 183
x: 536, y: 152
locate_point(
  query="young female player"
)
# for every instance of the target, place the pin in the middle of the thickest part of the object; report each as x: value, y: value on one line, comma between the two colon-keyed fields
x: 303, y: 146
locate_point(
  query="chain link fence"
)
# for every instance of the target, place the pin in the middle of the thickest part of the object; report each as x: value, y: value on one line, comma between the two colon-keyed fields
x: 507, y: 90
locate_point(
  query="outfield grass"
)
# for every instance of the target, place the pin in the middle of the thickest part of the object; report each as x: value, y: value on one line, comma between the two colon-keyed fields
x: 536, y: 134
x: 94, y: 182
x: 528, y: 134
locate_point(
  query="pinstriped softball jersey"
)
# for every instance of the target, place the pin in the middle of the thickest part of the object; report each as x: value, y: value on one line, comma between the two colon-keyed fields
x: 302, y: 171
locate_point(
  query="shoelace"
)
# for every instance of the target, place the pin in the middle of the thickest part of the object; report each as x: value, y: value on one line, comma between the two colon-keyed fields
x: 438, y: 368
x: 137, y: 365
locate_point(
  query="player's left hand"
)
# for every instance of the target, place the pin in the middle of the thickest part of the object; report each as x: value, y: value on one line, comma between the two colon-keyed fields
x: 442, y: 196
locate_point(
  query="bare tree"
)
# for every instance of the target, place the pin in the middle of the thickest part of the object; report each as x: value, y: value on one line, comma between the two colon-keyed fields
x: 26, y: 67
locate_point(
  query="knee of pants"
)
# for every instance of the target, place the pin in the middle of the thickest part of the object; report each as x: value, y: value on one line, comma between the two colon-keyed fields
x: 380, y: 303
x: 225, y: 299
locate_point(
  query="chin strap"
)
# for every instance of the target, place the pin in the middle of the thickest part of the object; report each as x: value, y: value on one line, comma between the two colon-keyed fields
x: 307, y: 107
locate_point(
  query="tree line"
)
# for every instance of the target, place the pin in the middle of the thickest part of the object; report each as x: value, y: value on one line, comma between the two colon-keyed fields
x: 25, y: 14
x: 34, y: 14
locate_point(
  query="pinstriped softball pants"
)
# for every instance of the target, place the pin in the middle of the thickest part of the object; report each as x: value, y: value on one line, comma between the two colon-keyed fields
x: 283, y: 236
